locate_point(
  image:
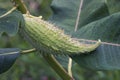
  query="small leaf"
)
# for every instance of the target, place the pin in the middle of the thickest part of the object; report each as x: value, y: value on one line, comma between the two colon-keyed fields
x: 10, y: 23
x: 7, y: 58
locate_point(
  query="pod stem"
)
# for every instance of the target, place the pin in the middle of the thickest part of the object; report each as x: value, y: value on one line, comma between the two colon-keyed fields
x: 57, y: 67
x: 21, y: 6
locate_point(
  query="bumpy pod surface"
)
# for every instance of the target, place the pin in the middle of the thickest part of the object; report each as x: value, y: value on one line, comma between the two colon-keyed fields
x: 48, y: 39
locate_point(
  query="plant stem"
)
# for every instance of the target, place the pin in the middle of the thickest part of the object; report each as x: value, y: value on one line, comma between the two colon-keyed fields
x: 21, y: 6
x: 57, y: 67
x: 10, y: 11
x: 28, y: 51
x: 70, y: 67
x: 78, y: 16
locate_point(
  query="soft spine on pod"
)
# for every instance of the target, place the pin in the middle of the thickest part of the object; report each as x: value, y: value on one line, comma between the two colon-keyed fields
x: 50, y: 40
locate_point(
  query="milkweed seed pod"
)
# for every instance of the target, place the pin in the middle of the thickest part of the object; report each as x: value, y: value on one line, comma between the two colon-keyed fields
x: 48, y: 39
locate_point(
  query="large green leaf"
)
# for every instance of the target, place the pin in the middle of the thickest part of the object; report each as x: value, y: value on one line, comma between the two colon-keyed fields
x: 65, y: 13
x: 7, y: 58
x: 93, y: 25
x: 10, y: 23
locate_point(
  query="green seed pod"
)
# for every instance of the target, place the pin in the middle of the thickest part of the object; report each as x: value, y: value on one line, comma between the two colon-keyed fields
x: 48, y: 39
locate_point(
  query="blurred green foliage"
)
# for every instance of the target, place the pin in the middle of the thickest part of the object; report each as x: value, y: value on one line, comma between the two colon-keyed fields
x: 33, y: 66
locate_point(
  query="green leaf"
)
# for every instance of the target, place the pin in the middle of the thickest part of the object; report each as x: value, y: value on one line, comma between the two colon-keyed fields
x: 107, y: 29
x: 7, y: 58
x: 92, y: 10
x: 65, y: 13
x: 10, y: 23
